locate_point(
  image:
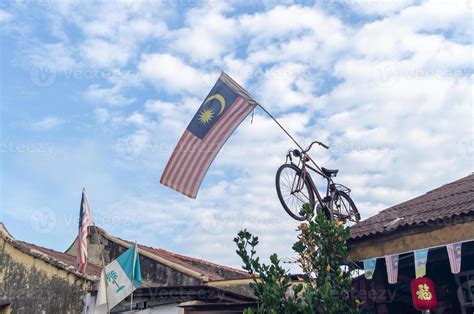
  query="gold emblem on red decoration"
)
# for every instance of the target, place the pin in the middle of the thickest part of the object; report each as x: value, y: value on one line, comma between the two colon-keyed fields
x: 423, y: 292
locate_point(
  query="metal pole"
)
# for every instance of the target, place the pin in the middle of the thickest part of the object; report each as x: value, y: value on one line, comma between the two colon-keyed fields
x: 133, y: 275
x: 289, y: 135
x: 101, y: 256
x: 284, y: 130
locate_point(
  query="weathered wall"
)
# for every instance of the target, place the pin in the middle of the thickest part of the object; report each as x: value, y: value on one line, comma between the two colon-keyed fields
x: 411, y: 239
x: 153, y: 272
x: 34, y: 286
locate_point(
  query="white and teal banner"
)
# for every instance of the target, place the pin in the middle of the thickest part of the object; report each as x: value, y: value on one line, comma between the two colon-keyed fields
x: 421, y: 257
x: 369, y: 267
x: 118, y: 280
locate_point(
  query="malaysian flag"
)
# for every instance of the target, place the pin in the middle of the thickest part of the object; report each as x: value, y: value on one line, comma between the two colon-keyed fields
x: 392, y: 268
x: 220, y: 114
x: 84, y: 220
x: 454, y: 254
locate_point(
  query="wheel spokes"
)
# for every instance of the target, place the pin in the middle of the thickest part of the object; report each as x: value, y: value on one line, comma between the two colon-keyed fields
x: 294, y: 195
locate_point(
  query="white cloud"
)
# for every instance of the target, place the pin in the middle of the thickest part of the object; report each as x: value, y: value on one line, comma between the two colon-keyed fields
x: 104, y: 53
x: 5, y: 16
x: 391, y: 97
x: 47, y: 123
x: 108, y: 96
x: 379, y: 7
x: 168, y: 72
x: 208, y: 34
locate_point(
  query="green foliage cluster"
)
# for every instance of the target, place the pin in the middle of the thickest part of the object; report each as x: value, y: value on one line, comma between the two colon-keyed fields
x: 322, y: 253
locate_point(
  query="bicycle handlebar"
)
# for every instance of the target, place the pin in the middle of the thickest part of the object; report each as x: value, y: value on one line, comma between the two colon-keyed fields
x: 316, y: 142
x: 298, y: 153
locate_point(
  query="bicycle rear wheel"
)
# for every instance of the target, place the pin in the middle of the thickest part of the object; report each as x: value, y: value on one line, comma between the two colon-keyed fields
x: 344, y: 209
x: 293, y: 198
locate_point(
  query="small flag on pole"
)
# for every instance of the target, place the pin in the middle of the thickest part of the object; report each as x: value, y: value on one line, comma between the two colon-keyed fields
x: 369, y: 267
x: 220, y: 114
x: 421, y: 257
x: 454, y: 254
x: 84, y: 221
x: 118, y: 280
x: 392, y: 268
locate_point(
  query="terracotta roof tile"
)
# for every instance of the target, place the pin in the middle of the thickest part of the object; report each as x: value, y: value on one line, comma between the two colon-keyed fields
x: 445, y: 202
x: 91, y: 269
x: 211, y: 270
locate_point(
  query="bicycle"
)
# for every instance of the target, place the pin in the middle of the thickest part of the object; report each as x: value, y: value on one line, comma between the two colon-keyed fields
x: 295, y: 187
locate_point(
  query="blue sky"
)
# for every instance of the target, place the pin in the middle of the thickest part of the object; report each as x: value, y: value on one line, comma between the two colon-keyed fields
x: 95, y: 94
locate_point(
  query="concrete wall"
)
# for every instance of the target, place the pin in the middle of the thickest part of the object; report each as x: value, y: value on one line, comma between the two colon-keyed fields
x: 35, y: 286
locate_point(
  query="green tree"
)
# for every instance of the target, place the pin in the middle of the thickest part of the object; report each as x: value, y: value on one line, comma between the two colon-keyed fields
x: 322, y: 255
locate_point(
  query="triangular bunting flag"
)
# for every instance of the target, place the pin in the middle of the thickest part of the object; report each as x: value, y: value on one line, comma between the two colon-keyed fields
x: 392, y: 268
x: 421, y: 257
x: 369, y: 267
x: 454, y: 254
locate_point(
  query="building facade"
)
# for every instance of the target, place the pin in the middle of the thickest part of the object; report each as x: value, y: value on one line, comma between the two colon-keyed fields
x: 38, y: 280
x: 433, y: 221
x: 35, y: 279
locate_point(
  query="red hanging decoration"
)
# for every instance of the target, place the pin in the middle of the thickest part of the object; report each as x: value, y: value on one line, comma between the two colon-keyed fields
x: 423, y: 294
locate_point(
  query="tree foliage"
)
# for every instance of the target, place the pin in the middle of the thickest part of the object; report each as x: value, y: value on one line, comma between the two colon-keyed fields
x: 322, y: 253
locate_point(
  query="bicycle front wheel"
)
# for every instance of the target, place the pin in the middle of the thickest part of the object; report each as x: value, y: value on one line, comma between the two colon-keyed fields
x: 292, y: 191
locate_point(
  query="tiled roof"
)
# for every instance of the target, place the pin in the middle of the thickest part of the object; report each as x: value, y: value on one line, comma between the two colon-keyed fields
x: 210, y: 270
x: 56, y: 259
x: 446, y: 202
x: 215, y: 271
x: 91, y: 269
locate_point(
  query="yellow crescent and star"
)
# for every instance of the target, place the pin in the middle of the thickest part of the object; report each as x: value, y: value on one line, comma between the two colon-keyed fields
x: 207, y: 114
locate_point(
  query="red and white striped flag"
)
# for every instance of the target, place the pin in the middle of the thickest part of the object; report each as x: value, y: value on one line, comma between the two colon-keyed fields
x: 392, y: 268
x: 220, y: 114
x: 454, y: 254
x: 84, y: 221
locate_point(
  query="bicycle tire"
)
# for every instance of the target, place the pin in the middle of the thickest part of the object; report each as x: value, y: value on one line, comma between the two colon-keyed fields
x: 310, y: 197
x: 353, y: 212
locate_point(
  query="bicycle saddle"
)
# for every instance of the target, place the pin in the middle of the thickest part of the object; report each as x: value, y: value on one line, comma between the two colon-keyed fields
x: 329, y: 173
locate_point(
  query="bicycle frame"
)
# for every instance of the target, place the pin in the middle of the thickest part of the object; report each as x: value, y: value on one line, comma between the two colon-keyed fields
x: 301, y: 179
x: 336, y: 204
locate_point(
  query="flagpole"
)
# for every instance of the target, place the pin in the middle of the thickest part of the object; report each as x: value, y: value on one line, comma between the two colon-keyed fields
x: 103, y: 267
x: 92, y: 220
x: 133, y: 275
x: 278, y: 123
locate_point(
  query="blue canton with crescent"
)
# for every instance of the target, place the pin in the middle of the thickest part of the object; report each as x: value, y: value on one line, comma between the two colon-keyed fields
x: 216, y: 104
